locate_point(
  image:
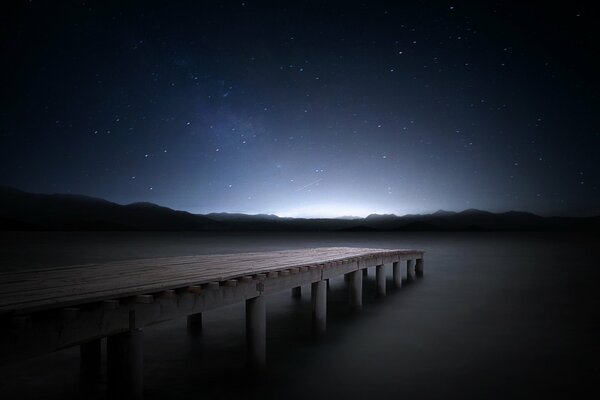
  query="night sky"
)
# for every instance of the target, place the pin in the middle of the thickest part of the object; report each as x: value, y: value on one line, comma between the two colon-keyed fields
x: 304, y: 108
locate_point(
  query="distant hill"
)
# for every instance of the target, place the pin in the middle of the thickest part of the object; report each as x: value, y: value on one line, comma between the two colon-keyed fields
x: 26, y: 211
x: 22, y: 211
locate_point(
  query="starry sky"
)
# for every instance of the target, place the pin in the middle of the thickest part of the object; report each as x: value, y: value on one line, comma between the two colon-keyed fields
x: 304, y: 108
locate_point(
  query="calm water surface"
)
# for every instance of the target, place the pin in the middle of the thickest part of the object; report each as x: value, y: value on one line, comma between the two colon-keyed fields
x: 497, y: 316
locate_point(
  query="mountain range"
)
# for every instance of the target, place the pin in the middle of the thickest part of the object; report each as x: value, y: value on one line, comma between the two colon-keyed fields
x: 22, y: 211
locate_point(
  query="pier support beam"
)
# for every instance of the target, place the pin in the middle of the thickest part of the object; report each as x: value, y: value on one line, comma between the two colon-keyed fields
x: 297, y: 292
x: 355, y: 291
x: 256, y: 332
x: 419, y: 268
x: 194, y: 323
x: 410, y: 270
x: 318, y: 296
x: 380, y: 278
x: 125, y: 364
x: 90, y: 362
x: 397, y: 274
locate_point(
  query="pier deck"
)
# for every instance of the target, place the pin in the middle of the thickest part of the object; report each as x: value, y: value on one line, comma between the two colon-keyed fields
x: 50, y: 309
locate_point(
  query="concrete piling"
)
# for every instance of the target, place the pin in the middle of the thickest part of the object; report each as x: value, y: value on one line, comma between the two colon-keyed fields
x: 355, y: 291
x: 125, y: 365
x: 90, y: 361
x: 319, y: 307
x: 397, y: 274
x: 297, y: 292
x: 194, y: 323
x: 380, y: 278
x: 256, y: 330
x: 419, y: 268
x: 410, y: 270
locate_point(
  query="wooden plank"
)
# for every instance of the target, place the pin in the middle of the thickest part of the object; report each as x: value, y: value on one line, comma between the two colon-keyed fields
x: 66, y: 286
x: 205, y: 265
x: 205, y: 260
x: 149, y: 272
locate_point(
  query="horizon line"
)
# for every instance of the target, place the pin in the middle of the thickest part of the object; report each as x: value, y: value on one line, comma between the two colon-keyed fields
x: 342, y: 216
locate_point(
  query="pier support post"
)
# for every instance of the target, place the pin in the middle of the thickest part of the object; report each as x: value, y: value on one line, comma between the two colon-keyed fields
x: 380, y: 278
x: 419, y: 267
x: 256, y: 332
x: 356, y: 290
x: 90, y: 363
x: 194, y: 323
x: 318, y: 295
x: 125, y: 363
x: 365, y: 272
x: 410, y: 270
x: 297, y: 292
x: 397, y: 274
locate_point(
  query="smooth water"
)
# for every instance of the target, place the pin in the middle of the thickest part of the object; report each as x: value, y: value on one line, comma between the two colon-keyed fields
x: 497, y: 315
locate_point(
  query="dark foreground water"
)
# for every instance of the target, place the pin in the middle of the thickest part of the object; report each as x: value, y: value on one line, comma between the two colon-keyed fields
x: 497, y: 316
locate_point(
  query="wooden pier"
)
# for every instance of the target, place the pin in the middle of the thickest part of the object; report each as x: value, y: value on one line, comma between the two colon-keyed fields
x: 46, y: 310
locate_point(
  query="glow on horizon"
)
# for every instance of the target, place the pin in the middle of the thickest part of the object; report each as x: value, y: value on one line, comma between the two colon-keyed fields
x: 328, y: 211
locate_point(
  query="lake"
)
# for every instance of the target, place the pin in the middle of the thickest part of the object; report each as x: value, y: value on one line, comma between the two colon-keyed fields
x: 497, y: 315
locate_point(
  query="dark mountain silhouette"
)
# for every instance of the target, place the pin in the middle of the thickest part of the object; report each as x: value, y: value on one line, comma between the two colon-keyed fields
x: 27, y: 211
